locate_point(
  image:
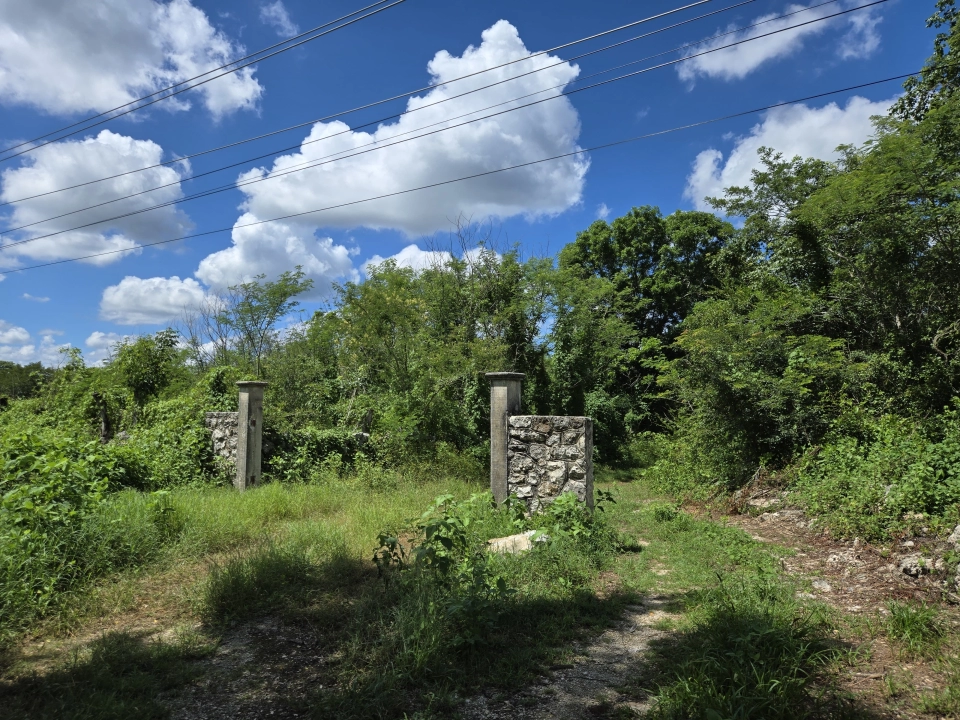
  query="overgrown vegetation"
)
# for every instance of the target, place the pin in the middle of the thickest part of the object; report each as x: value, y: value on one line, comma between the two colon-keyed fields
x: 452, y: 617
x: 812, y: 342
x: 753, y: 652
x: 120, y: 676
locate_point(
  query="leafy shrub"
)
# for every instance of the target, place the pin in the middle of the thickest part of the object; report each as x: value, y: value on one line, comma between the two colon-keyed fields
x: 754, y: 384
x: 58, y: 525
x: 872, y: 488
x: 172, y: 444
x: 567, y: 518
x: 301, y: 455
x: 448, y: 556
x: 454, y: 617
x: 664, y: 512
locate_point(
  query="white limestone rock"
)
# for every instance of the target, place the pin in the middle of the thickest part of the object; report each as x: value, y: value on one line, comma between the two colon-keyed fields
x: 516, y: 544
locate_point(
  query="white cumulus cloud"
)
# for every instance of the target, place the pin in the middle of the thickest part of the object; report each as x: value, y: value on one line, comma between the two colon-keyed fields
x: 72, y: 162
x: 63, y: 56
x: 273, y: 248
x: 267, y: 249
x: 792, y: 130
x: 16, y: 345
x: 12, y: 334
x: 735, y: 63
x: 413, y: 257
x: 532, y: 133
x: 150, y: 301
x: 276, y: 15
x: 100, y: 346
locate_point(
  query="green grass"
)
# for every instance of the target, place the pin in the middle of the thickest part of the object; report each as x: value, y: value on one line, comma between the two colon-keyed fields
x: 916, y: 628
x: 739, y: 643
x: 681, y: 553
x: 345, y: 514
x: 303, y: 552
x: 132, y: 532
x: 750, y: 651
x: 742, y: 645
x: 247, y: 585
x: 117, y: 677
x: 945, y: 702
x: 436, y: 632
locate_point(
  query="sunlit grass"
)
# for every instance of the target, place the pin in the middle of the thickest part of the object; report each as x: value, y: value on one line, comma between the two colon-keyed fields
x: 215, y: 520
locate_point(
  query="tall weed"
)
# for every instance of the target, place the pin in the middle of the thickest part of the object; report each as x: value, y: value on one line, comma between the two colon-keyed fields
x: 451, y: 615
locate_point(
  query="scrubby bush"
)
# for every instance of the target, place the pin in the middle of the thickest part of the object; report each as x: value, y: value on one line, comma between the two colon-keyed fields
x: 304, y: 454
x: 172, y: 444
x: 59, y: 524
x: 877, y: 487
x: 755, y: 384
x: 451, y: 613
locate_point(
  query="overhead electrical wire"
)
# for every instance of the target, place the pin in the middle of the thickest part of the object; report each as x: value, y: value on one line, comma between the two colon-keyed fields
x: 195, y: 77
x: 422, y: 107
x: 196, y: 85
x: 595, y: 148
x: 405, y: 94
x: 385, y: 118
x: 380, y: 145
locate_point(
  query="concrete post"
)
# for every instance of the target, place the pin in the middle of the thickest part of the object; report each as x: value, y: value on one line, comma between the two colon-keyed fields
x: 504, y: 402
x: 249, y: 434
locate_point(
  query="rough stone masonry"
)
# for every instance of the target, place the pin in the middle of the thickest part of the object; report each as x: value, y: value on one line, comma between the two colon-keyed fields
x: 549, y: 455
x: 223, y: 434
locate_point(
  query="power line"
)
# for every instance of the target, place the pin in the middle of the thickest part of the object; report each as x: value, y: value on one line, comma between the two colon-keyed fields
x: 381, y: 145
x: 191, y: 87
x: 195, y: 77
x: 595, y: 148
x: 384, y: 119
x: 398, y: 97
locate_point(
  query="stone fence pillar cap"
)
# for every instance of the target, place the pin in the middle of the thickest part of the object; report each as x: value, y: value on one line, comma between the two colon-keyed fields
x: 494, y: 376
x: 252, y: 383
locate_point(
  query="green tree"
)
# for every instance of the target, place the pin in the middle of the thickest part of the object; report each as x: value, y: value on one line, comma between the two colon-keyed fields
x: 147, y: 365
x: 622, y: 291
x: 253, y: 309
x: 844, y: 299
x: 940, y: 77
x: 889, y: 226
x: 22, y: 381
x: 754, y: 382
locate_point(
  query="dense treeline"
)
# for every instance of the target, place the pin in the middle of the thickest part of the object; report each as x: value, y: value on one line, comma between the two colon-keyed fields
x: 813, y: 340
x: 21, y: 381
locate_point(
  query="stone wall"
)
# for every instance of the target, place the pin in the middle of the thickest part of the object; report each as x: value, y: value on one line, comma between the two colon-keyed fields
x: 547, y: 456
x: 223, y: 434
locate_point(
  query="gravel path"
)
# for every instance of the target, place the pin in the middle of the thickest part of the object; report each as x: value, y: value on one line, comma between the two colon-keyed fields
x: 591, y: 685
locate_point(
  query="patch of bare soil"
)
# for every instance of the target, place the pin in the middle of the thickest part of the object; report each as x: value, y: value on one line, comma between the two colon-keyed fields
x: 266, y: 669
x: 852, y: 575
x: 859, y: 579
x: 589, y: 685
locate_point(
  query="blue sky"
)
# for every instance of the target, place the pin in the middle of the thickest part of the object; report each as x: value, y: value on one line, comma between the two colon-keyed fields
x: 62, y: 61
